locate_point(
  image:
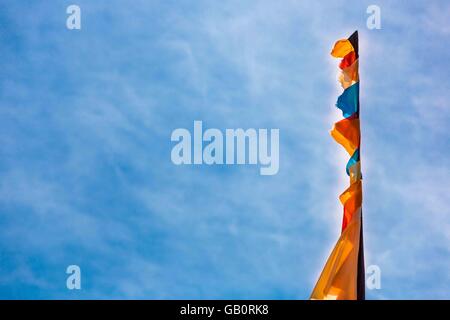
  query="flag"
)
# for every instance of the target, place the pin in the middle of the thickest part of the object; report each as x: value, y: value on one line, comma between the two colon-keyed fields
x: 342, y: 278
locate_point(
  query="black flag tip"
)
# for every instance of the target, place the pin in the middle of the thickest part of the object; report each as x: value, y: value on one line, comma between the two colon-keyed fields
x: 354, y: 41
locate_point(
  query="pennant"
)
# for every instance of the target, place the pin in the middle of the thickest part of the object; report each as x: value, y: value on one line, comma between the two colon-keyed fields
x: 353, y: 160
x: 346, y: 133
x: 349, y: 75
x: 354, y: 172
x: 338, y: 278
x: 351, y: 199
x: 342, y: 48
x: 348, y: 60
x: 348, y: 101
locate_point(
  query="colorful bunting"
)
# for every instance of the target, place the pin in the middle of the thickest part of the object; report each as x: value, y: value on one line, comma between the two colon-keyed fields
x: 343, y: 274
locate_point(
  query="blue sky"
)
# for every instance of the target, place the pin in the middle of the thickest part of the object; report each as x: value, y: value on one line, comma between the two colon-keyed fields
x: 85, y: 170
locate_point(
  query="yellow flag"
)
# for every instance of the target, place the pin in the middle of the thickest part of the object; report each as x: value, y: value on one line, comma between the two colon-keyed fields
x: 338, y: 278
x: 341, y: 48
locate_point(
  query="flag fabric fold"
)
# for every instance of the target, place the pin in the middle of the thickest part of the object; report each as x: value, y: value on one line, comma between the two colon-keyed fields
x: 349, y: 75
x: 348, y: 101
x: 337, y: 280
x: 346, y: 133
x: 343, y: 274
x: 342, y: 48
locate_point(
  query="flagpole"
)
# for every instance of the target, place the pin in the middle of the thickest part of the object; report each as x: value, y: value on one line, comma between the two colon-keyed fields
x: 361, y: 278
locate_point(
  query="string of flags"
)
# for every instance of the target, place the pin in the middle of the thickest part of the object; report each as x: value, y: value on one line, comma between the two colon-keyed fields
x: 342, y: 277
